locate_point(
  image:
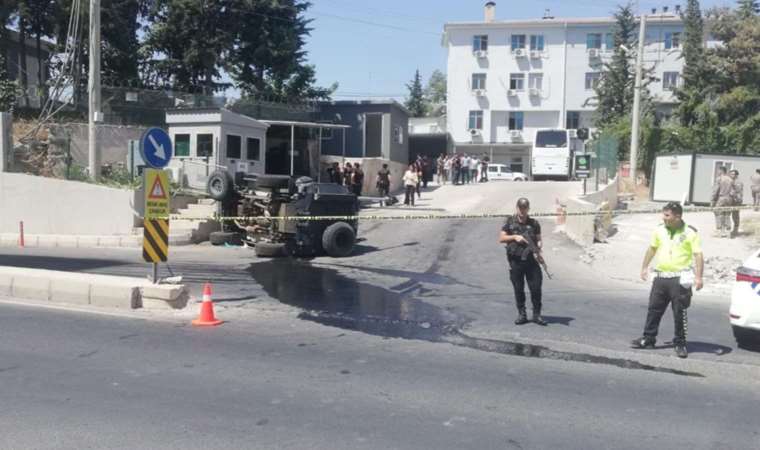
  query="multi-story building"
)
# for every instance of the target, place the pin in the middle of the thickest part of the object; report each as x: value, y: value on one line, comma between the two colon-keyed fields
x: 506, y: 79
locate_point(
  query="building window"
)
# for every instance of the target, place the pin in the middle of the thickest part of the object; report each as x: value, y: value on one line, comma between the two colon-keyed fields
x: 592, y: 80
x: 518, y: 41
x: 517, y: 81
x: 516, y: 164
x: 476, y: 120
x: 536, y: 81
x: 480, y: 43
x: 398, y: 134
x: 233, y: 146
x: 609, y: 42
x: 537, y: 42
x: 181, y: 145
x: 478, y: 81
x: 253, y: 149
x: 594, y: 40
x: 516, y: 119
x: 573, y: 120
x: 672, y: 40
x: 204, y: 146
x: 670, y: 80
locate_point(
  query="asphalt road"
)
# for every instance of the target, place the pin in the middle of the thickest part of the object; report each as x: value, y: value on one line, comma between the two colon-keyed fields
x: 311, y: 356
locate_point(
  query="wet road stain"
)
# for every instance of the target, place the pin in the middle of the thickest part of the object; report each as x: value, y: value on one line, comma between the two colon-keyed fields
x: 328, y: 298
x: 88, y: 354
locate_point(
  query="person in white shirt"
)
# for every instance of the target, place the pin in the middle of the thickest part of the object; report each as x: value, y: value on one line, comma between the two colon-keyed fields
x: 466, y: 169
x: 411, y: 179
x: 474, y: 163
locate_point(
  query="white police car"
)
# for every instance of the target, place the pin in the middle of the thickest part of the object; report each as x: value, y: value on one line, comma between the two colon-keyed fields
x: 744, y: 313
x: 503, y: 172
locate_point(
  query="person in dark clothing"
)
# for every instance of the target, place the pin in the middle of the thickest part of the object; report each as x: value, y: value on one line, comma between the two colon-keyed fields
x: 426, y: 171
x: 384, y: 181
x: 358, y: 179
x: 484, y: 170
x: 333, y: 172
x: 348, y: 175
x: 457, y: 165
x: 522, y: 262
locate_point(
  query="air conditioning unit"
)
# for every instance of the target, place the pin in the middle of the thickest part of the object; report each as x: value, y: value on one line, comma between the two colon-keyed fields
x: 474, y: 132
x: 534, y: 92
x: 479, y: 92
x: 573, y: 134
x: 519, y: 52
x: 480, y: 53
x: 516, y: 135
x: 512, y: 93
x: 536, y: 54
x: 593, y: 53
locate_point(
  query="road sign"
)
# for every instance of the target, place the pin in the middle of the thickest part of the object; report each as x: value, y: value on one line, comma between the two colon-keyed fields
x: 156, y: 194
x: 156, y: 240
x: 156, y: 148
x: 582, y: 165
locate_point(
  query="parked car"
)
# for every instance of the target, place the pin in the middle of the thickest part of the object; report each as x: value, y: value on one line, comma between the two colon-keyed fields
x: 744, y: 312
x: 503, y: 172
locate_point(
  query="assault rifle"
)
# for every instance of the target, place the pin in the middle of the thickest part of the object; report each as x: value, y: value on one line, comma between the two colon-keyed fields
x: 533, y: 248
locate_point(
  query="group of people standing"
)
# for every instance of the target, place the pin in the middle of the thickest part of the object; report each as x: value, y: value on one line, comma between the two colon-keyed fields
x: 461, y: 169
x: 728, y: 191
x: 351, y: 176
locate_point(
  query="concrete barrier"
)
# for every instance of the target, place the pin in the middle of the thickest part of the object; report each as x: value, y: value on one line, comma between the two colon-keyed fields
x: 581, y: 229
x: 89, y: 289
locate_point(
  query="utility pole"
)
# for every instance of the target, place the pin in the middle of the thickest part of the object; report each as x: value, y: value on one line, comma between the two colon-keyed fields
x: 93, y: 87
x: 637, y: 99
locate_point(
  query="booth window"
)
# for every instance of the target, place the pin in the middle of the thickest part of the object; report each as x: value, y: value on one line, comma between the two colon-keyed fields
x: 182, y: 145
x: 233, y: 146
x: 254, y: 149
x: 205, y: 145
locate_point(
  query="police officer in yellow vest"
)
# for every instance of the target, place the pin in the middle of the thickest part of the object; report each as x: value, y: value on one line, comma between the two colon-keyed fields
x: 679, y: 253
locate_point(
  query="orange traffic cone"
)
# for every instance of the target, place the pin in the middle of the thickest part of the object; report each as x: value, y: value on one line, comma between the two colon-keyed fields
x: 206, y: 318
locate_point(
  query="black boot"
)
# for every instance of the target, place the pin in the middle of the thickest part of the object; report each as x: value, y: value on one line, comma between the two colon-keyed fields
x: 643, y: 342
x: 538, y: 320
x: 522, y: 318
x: 681, y: 351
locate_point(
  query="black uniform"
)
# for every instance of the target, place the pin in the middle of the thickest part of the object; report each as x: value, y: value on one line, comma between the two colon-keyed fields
x: 522, y: 264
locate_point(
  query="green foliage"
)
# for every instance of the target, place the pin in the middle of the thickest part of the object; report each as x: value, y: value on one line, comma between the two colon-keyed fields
x: 614, y: 93
x: 694, y: 71
x: 435, y: 93
x: 415, y: 102
x: 748, y: 8
x: 8, y: 88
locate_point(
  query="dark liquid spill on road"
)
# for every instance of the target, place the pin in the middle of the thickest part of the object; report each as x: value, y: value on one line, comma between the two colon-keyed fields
x: 328, y: 298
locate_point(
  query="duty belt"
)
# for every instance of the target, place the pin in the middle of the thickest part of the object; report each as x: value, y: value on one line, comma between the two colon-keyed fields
x: 660, y: 274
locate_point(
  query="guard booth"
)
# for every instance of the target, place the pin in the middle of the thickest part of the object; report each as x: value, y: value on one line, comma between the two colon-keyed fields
x: 689, y: 177
x: 209, y: 139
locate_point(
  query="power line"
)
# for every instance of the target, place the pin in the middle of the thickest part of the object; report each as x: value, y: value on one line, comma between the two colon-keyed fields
x: 374, y: 24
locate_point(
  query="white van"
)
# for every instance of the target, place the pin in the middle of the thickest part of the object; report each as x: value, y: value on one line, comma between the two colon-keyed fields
x: 503, y: 172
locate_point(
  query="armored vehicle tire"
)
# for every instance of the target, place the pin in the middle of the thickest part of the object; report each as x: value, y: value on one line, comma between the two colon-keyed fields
x: 269, y: 249
x: 225, y: 237
x: 338, y: 240
x: 746, y: 339
x: 273, y: 181
x: 219, y: 185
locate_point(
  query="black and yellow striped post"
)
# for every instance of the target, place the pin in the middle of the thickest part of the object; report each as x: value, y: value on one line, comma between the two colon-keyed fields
x: 156, y: 221
x: 156, y: 240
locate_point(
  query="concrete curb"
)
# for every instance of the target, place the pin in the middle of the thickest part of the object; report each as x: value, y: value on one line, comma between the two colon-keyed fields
x: 74, y: 241
x: 87, y: 289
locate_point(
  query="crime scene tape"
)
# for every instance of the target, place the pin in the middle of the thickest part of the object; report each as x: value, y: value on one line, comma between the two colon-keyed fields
x: 599, y: 212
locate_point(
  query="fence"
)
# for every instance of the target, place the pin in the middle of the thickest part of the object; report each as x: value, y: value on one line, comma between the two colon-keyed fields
x: 606, y: 161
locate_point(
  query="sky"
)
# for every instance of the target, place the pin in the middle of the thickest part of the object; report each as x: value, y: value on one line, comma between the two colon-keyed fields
x: 372, y: 48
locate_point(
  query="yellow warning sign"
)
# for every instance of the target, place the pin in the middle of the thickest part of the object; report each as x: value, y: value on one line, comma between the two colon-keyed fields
x: 156, y: 183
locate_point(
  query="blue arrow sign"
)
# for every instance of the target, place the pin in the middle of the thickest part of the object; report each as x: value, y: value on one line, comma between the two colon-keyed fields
x: 156, y: 148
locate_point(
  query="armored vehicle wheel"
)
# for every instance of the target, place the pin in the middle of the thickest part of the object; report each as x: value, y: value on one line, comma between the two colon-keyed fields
x: 219, y: 185
x: 338, y: 240
x: 272, y: 181
x: 225, y: 237
x: 269, y: 249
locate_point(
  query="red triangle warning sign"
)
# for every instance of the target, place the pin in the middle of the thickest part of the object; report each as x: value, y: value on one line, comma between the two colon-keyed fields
x: 157, y: 192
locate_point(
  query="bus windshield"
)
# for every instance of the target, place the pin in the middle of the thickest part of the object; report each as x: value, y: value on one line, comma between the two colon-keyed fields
x: 551, y: 139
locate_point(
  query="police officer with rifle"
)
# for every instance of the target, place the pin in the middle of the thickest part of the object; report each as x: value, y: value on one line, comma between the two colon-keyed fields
x: 522, y: 234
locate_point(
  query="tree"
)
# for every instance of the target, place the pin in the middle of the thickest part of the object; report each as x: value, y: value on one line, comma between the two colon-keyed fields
x: 267, y: 55
x: 415, y: 102
x: 694, y: 75
x: 8, y: 88
x: 39, y: 19
x: 435, y: 93
x: 614, y: 93
x: 748, y: 8
x: 120, y: 45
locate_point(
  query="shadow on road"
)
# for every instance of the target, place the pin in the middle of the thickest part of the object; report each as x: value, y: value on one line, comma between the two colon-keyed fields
x: 558, y: 320
x: 59, y: 263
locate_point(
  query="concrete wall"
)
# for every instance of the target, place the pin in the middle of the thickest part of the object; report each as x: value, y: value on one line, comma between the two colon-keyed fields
x: 51, y: 206
x: 581, y: 228
x: 114, y: 141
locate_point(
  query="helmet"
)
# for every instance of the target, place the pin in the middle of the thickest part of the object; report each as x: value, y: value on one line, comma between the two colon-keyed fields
x: 523, y: 203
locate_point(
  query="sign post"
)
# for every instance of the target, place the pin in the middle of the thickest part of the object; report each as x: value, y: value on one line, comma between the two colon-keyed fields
x: 156, y: 151
x: 583, y: 168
